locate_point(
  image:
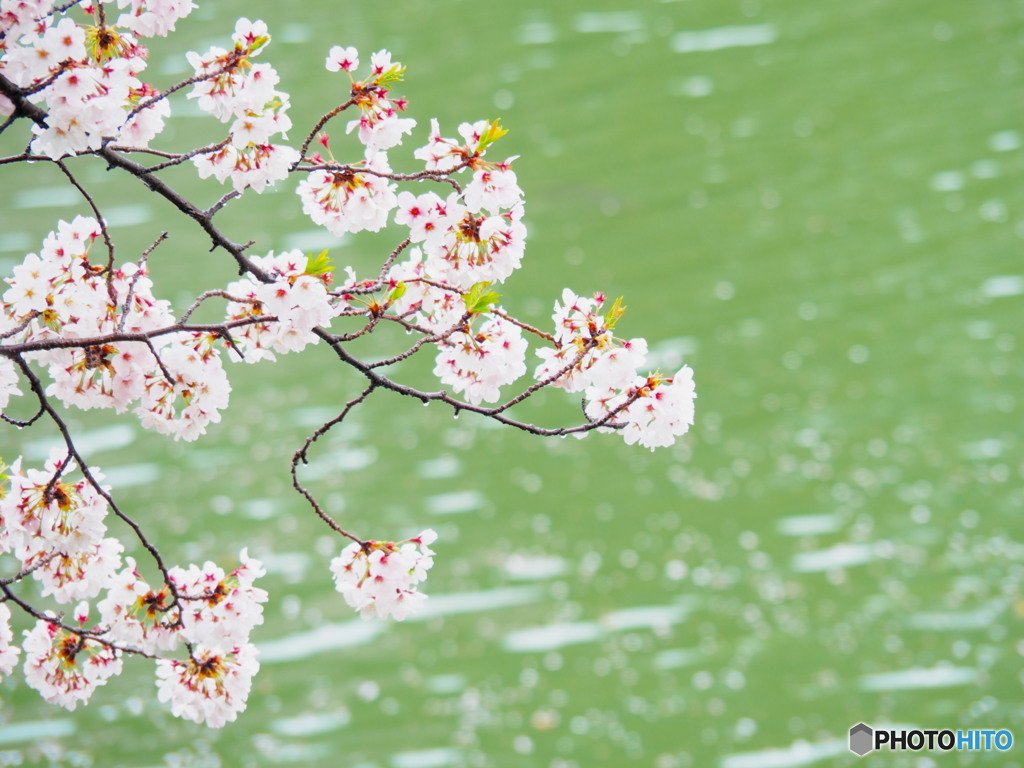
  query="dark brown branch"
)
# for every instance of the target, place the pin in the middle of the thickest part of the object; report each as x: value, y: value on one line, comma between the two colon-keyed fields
x: 460, y: 405
x: 8, y: 121
x: 22, y: 106
x: 444, y: 176
x: 26, y: 571
x: 22, y: 423
x: 210, y: 294
x: 38, y: 345
x: 22, y: 325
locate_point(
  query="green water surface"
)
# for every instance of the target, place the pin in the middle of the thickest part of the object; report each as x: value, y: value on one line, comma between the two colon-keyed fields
x: 819, y: 207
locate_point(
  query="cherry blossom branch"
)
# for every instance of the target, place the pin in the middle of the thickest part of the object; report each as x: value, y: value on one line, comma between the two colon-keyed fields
x: 46, y: 82
x: 232, y: 60
x: 37, y: 388
x: 474, y: 242
x: 390, y: 260
x: 203, y: 218
x: 22, y: 423
x: 85, y: 635
x: 426, y: 175
x: 209, y: 295
x: 22, y: 106
x: 525, y: 326
x: 20, y: 326
x: 8, y: 121
x: 409, y: 352
x: 220, y: 329
x: 213, y: 209
x: 460, y: 405
x: 24, y: 156
x: 64, y: 7
x: 48, y: 490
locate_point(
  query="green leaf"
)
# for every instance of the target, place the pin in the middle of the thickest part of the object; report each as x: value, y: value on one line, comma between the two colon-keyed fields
x: 395, y: 74
x: 612, y: 315
x: 319, y: 265
x: 396, y: 293
x: 479, y: 299
x: 492, y: 134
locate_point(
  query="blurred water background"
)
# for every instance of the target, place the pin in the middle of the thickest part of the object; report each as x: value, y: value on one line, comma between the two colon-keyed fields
x: 816, y: 205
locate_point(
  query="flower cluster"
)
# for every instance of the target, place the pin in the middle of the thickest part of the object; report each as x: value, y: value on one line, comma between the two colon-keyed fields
x: 346, y: 200
x: 220, y: 610
x: 175, y: 381
x: 587, y: 357
x: 56, y: 528
x: 65, y: 666
x: 379, y: 125
x: 379, y: 578
x: 230, y: 86
x: 85, y: 77
x: 654, y: 409
x: 136, y: 616
x: 211, y: 686
x: 9, y: 652
x: 479, y: 363
x: 294, y: 304
x: 153, y: 18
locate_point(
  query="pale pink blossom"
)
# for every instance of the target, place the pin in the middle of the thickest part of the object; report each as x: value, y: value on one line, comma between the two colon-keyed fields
x: 220, y: 610
x: 339, y: 58
x: 8, y: 381
x: 299, y: 302
x: 199, y: 389
x: 211, y: 687
x: 478, y: 363
x: 8, y: 651
x: 346, y: 200
x: 475, y: 247
x: 494, y: 188
x: 380, y: 578
x: 662, y: 411
x: 149, y: 18
x: 135, y: 616
x: 66, y: 667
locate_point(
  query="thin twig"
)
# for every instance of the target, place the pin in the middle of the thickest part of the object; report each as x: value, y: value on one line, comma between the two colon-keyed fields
x: 135, y: 279
x: 103, y: 228
x: 210, y: 294
x: 22, y: 325
x: 301, y: 456
x: 179, y: 159
x: 320, y: 124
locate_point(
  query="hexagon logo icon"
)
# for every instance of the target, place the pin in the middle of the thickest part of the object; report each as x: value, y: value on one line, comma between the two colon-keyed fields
x: 861, y: 739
